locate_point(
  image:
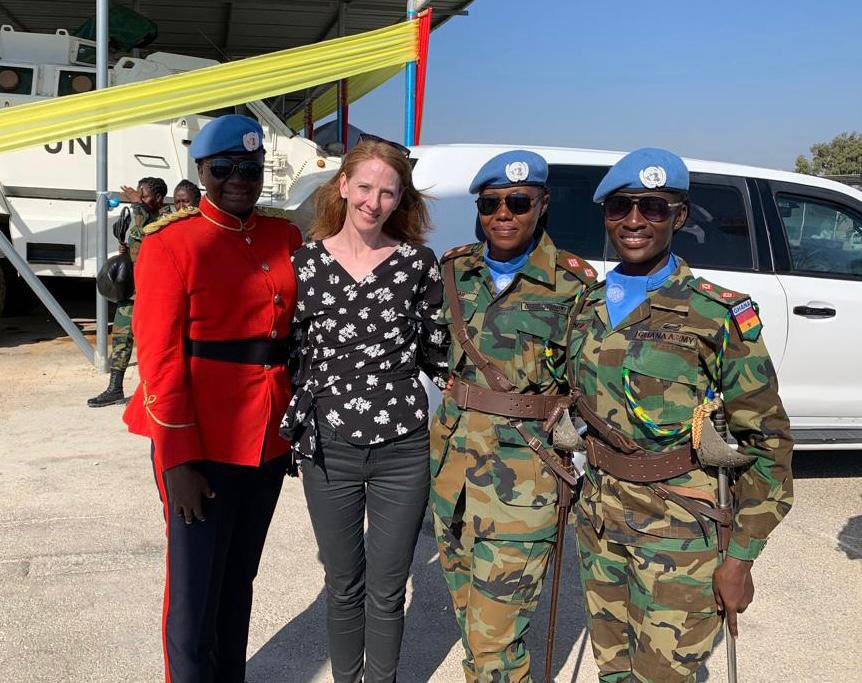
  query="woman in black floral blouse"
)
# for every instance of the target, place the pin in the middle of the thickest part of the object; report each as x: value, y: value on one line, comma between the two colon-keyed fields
x: 367, y: 306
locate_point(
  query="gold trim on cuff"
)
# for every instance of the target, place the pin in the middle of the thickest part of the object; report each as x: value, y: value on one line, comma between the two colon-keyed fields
x: 150, y: 399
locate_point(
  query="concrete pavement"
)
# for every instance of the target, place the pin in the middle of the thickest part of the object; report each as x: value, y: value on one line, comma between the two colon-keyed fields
x: 81, y: 557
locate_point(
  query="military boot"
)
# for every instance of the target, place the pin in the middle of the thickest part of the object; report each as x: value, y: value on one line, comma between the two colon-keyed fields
x: 113, y: 394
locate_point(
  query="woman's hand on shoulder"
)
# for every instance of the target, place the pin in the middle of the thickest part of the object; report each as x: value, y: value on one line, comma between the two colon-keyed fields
x: 187, y: 488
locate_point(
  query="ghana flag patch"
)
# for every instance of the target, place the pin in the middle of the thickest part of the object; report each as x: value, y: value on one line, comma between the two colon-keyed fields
x: 747, y: 321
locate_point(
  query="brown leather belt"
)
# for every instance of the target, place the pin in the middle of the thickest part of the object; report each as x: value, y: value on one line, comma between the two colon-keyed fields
x: 524, y: 406
x: 642, y: 467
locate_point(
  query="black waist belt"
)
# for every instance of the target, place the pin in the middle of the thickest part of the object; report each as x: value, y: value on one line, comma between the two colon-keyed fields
x: 248, y: 351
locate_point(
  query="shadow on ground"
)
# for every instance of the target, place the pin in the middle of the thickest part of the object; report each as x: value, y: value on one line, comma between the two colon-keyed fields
x: 850, y: 538
x: 826, y: 464
x: 298, y: 652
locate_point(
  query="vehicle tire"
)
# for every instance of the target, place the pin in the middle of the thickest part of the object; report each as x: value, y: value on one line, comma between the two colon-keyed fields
x: 16, y: 298
x: 2, y: 288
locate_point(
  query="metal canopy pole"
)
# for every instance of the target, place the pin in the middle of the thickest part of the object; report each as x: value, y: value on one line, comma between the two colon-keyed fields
x: 341, y: 108
x: 100, y: 359
x: 309, y: 119
x: 410, y: 87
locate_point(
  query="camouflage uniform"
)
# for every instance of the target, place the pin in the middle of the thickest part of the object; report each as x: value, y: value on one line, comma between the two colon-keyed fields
x: 492, y: 498
x: 646, y: 566
x: 121, y: 334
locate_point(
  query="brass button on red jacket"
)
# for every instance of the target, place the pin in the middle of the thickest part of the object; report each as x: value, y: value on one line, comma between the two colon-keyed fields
x: 197, y: 278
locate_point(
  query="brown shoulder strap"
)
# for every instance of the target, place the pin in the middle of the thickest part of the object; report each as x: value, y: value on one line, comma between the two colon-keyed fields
x: 608, y: 433
x: 579, y: 306
x: 495, y: 377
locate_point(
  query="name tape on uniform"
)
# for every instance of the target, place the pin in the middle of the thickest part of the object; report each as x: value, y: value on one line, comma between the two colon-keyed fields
x: 668, y: 337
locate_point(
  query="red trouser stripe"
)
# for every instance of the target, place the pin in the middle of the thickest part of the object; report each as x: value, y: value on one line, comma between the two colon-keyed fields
x: 160, y: 482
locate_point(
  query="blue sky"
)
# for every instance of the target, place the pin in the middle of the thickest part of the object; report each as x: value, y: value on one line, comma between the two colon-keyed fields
x: 753, y: 82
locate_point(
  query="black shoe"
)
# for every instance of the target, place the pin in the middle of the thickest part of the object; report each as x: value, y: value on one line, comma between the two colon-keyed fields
x: 113, y: 394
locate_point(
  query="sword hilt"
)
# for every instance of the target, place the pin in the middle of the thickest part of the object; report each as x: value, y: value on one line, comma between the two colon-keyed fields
x: 719, y: 420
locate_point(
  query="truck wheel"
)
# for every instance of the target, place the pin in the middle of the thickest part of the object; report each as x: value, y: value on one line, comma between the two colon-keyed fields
x: 16, y: 298
x: 2, y: 288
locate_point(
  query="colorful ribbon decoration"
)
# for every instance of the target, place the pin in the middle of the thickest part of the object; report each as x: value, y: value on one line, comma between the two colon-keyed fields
x: 421, y: 71
x: 213, y: 87
x: 357, y: 86
x: 711, y: 391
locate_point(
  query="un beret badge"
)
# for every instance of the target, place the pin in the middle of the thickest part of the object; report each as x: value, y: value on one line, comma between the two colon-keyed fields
x: 653, y: 176
x: 517, y: 171
x: 251, y: 141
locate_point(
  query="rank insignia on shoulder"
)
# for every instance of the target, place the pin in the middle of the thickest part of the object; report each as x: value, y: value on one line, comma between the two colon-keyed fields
x: 157, y: 225
x: 716, y: 293
x: 747, y: 321
x: 576, y: 266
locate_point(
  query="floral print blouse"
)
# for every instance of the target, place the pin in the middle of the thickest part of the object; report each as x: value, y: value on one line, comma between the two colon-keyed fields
x: 361, y: 344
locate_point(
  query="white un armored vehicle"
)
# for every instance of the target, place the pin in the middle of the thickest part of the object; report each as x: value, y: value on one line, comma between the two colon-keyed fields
x: 47, y: 193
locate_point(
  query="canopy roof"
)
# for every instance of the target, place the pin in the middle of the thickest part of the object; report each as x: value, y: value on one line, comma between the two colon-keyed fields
x: 220, y: 29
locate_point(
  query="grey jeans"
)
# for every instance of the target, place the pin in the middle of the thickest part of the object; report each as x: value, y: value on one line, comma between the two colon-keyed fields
x: 366, y: 575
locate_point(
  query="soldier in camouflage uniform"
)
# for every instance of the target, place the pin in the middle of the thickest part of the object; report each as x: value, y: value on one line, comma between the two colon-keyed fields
x: 647, y: 347
x: 147, y: 205
x: 492, y: 497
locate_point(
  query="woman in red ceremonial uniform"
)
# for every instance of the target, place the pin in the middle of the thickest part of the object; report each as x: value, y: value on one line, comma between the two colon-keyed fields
x: 217, y: 295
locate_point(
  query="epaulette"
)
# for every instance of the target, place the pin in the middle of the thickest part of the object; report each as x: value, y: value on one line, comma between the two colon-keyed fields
x: 271, y: 212
x: 742, y: 309
x: 157, y: 225
x: 577, y: 266
x: 457, y: 252
x: 713, y: 291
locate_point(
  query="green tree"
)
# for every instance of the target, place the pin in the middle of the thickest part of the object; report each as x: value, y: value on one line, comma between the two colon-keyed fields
x: 841, y: 156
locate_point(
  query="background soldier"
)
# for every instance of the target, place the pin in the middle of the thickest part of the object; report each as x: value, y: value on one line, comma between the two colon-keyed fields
x: 650, y: 345
x: 493, y: 498
x: 148, y: 203
x: 186, y: 195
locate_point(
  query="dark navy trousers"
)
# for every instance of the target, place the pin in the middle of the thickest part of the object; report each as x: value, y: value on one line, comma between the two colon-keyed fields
x: 211, y: 566
x: 366, y: 574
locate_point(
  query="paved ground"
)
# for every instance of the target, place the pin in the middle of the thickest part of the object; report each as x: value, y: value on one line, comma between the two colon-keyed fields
x: 81, y: 556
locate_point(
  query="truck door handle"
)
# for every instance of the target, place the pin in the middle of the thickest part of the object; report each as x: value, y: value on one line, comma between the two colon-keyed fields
x: 811, y: 312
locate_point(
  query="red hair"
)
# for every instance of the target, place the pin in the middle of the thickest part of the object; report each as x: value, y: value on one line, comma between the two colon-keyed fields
x: 409, y: 221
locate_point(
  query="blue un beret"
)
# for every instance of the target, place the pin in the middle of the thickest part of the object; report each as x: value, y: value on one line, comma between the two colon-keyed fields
x: 518, y: 167
x: 231, y: 133
x: 648, y: 168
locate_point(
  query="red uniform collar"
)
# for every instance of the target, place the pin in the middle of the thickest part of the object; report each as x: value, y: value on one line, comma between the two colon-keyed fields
x: 226, y: 220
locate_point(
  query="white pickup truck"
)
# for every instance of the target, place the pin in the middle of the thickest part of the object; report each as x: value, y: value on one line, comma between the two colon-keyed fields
x: 793, y: 242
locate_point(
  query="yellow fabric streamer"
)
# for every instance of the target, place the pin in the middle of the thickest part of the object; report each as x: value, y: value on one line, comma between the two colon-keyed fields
x: 213, y: 87
x: 357, y: 86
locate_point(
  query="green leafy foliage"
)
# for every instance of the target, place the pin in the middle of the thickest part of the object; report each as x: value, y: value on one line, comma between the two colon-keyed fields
x: 841, y: 156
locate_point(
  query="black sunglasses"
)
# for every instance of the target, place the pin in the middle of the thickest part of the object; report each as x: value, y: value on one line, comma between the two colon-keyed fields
x: 654, y: 209
x: 222, y: 168
x: 368, y: 137
x: 518, y: 203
